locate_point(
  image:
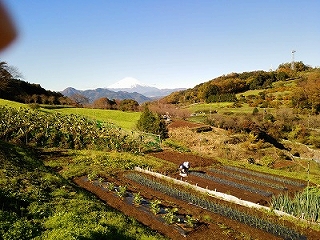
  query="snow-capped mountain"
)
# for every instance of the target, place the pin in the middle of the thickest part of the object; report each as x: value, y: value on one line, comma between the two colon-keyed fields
x: 127, y: 82
x: 130, y: 84
x: 127, y: 88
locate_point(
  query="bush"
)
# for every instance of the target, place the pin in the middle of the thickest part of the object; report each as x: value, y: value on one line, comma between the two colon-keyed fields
x: 267, y: 161
x: 255, y: 111
x: 152, y: 123
x: 315, y: 141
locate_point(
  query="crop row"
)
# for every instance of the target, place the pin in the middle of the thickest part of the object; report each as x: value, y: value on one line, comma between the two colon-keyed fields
x: 249, y: 179
x: 304, y: 205
x: 232, y: 184
x: 266, y: 176
x: 210, y: 205
x: 33, y: 127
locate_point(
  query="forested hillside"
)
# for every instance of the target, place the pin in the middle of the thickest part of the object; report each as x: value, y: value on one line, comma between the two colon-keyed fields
x: 302, y: 93
x: 12, y: 88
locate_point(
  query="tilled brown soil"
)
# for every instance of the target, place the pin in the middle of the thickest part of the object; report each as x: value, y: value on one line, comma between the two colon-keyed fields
x: 178, y: 158
x: 203, y: 165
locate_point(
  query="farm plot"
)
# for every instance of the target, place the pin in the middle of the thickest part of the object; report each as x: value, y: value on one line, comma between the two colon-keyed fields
x: 207, y: 224
x: 218, y: 207
x: 38, y: 129
x: 212, y: 218
x: 160, y: 212
x: 242, y: 183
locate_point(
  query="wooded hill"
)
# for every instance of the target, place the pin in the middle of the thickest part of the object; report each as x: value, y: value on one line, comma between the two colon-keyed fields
x: 304, y: 93
x: 12, y: 88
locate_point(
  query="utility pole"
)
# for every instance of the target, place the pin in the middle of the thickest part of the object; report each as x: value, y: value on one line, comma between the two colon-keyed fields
x: 308, y: 185
x: 292, y: 62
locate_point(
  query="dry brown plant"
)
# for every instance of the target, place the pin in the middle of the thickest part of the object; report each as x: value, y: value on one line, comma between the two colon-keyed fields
x: 211, y: 144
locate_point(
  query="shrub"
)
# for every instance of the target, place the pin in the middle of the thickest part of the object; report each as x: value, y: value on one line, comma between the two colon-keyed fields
x: 255, y: 111
x: 267, y: 161
x: 315, y: 141
x: 152, y: 123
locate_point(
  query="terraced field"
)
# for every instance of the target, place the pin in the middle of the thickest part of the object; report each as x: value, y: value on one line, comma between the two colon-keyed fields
x: 194, y: 215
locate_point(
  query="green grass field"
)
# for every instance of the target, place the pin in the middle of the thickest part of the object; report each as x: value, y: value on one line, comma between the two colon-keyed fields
x: 249, y: 92
x: 37, y: 203
x: 126, y: 120
x: 222, y: 107
x: 207, y: 107
x: 13, y: 104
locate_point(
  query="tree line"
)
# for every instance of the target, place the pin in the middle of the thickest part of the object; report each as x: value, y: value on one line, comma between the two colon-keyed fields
x: 14, y: 89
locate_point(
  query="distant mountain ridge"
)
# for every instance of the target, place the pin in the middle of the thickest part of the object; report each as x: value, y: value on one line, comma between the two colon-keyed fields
x: 127, y: 88
x: 94, y: 94
x: 131, y: 85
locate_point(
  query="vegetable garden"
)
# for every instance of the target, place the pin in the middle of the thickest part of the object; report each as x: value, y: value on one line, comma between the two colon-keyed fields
x: 171, y: 206
x: 35, y: 128
x: 215, y: 207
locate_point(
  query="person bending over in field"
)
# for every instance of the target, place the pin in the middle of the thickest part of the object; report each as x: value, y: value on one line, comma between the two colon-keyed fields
x: 184, y: 169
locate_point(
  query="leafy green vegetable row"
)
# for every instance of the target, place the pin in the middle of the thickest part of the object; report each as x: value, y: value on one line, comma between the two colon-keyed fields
x: 248, y: 179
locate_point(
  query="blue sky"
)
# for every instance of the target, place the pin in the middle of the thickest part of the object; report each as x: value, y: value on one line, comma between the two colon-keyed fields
x: 167, y: 44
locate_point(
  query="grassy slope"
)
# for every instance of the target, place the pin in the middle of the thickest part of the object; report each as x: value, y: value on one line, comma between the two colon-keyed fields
x: 38, y: 203
x: 126, y: 120
x: 100, y: 163
x: 13, y: 104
